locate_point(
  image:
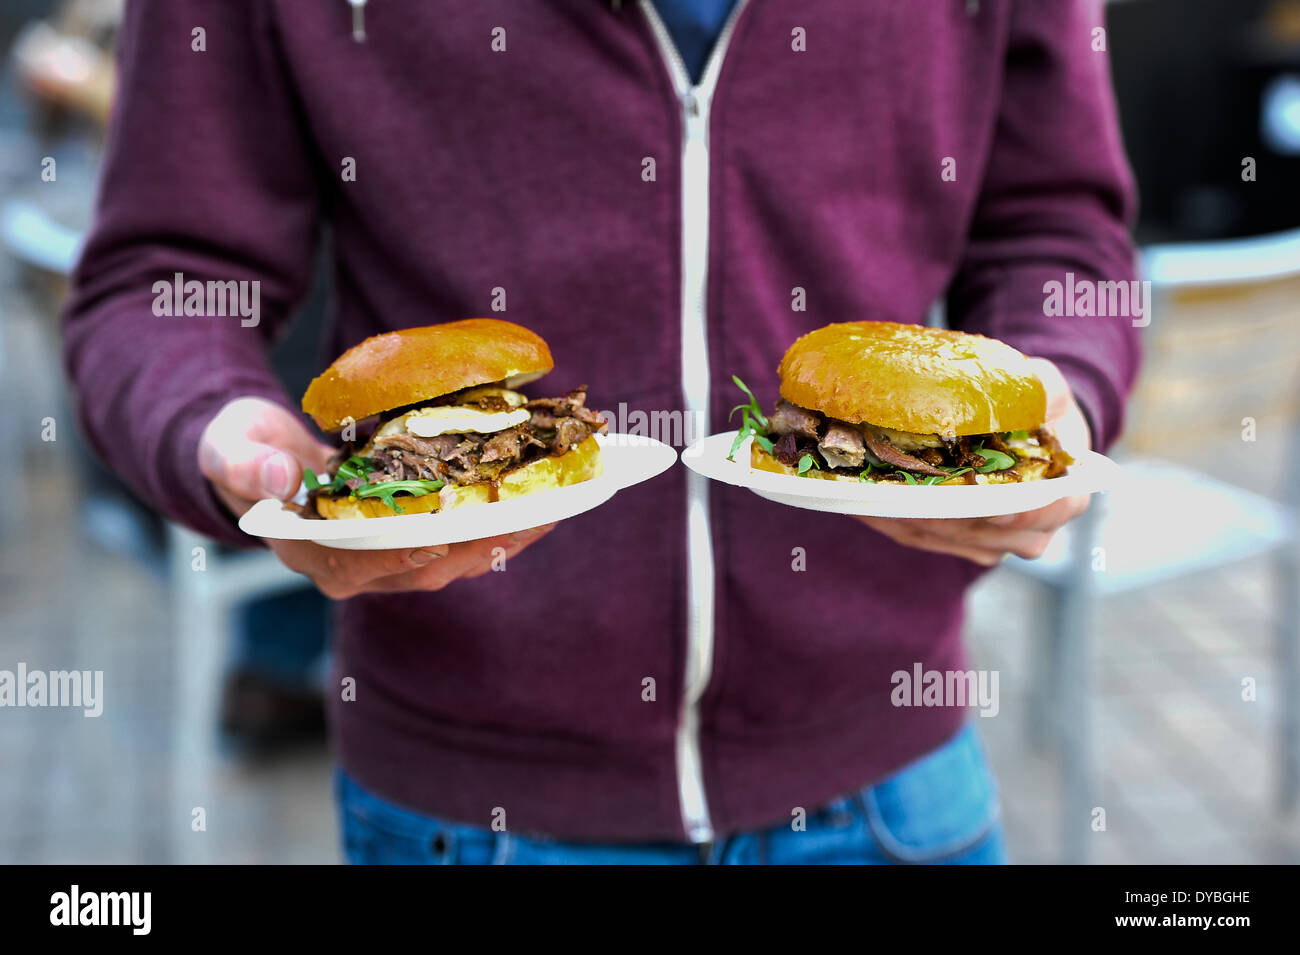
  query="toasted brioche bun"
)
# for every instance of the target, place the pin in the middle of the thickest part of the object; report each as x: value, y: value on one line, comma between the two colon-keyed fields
x: 913, y: 378
x: 578, y: 464
x: 419, y: 364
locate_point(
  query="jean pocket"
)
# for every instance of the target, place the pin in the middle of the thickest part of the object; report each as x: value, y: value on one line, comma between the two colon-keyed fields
x: 937, y: 807
x: 377, y: 832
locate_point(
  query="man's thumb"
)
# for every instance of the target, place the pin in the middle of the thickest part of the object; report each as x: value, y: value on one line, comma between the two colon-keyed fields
x: 251, y: 470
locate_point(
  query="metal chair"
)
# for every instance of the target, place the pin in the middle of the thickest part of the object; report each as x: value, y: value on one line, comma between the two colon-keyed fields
x: 202, y: 601
x: 1204, y: 523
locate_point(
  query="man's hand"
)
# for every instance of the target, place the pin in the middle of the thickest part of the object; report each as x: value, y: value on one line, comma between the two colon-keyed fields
x: 255, y: 449
x: 987, y: 540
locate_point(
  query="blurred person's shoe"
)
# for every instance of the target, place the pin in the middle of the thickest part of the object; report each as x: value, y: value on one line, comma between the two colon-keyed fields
x: 261, y: 717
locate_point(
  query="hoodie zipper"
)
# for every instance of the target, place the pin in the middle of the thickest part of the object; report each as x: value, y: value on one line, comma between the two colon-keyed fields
x: 695, y: 101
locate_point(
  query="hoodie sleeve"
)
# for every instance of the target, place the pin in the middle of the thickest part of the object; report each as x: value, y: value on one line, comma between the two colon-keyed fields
x: 1057, y: 198
x: 207, y: 175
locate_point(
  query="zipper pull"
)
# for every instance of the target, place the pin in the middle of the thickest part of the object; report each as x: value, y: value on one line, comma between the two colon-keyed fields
x: 972, y: 8
x: 358, y: 20
x: 691, y: 103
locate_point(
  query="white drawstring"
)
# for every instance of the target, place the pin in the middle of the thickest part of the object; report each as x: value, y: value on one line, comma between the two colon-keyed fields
x: 358, y: 20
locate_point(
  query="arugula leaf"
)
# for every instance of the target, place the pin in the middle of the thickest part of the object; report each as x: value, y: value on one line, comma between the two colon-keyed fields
x: 753, y: 423
x: 908, y: 477
x: 940, y: 479
x: 994, y: 460
x: 354, y: 468
x: 807, y: 463
x: 1017, y: 435
x: 952, y: 473
x: 414, y: 488
x: 756, y: 410
x: 384, y: 490
x: 865, y: 475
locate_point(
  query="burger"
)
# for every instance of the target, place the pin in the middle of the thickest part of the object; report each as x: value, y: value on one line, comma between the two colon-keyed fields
x: 884, y: 403
x: 447, y: 426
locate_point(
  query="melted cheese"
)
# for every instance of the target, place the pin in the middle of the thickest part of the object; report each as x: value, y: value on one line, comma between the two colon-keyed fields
x: 1029, y: 448
x: 460, y: 419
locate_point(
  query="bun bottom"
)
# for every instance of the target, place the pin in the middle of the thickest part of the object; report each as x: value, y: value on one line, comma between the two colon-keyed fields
x: 1026, y: 469
x: 578, y: 464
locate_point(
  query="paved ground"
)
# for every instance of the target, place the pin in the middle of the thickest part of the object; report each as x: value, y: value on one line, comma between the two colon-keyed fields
x: 1185, y: 767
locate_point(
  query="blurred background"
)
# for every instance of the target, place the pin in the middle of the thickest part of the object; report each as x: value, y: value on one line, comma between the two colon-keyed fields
x: 1150, y: 706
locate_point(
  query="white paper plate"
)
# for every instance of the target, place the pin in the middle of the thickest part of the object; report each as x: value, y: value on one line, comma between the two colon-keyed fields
x: 1091, y: 472
x: 628, y: 460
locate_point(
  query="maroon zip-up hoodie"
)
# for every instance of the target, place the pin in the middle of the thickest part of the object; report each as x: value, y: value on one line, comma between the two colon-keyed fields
x: 867, y: 157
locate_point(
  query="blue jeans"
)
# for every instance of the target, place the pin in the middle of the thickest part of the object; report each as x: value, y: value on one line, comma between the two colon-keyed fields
x: 942, y: 808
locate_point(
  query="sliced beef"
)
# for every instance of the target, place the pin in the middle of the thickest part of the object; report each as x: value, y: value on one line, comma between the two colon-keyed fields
x: 446, y: 456
x: 591, y: 419
x: 441, y: 446
x: 1061, y: 458
x: 964, y: 454
x: 569, y: 432
x: 531, y: 439
x: 791, y: 419
x: 504, y: 446
x: 882, y: 449
x: 786, y: 450
x: 548, y: 411
x: 557, y: 424
x: 398, y: 465
x: 843, y: 447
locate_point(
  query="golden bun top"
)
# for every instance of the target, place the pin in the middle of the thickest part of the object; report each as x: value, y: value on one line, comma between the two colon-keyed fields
x: 419, y: 364
x: 913, y: 378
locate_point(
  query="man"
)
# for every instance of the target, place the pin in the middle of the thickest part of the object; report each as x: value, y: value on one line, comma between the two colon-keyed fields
x: 657, y: 680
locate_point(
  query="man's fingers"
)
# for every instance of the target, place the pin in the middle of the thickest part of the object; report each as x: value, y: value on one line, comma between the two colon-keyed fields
x: 340, y: 574
x: 973, y: 539
x: 1047, y: 518
x: 250, y: 469
x: 254, y: 448
x: 911, y: 533
x: 979, y: 535
x: 985, y: 558
x: 283, y: 430
x: 468, y: 560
